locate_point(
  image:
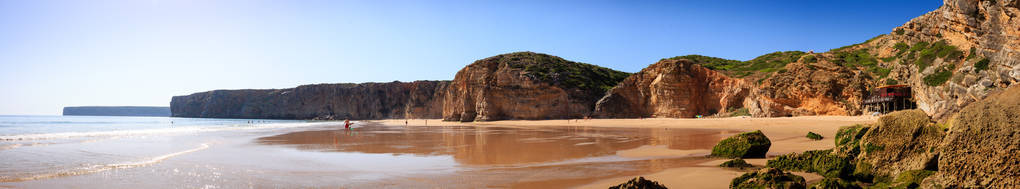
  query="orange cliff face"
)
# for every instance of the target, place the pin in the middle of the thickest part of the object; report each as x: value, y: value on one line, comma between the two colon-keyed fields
x: 672, y: 88
x: 526, y: 85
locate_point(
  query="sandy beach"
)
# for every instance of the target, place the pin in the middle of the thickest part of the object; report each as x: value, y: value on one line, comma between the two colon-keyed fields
x: 787, y: 135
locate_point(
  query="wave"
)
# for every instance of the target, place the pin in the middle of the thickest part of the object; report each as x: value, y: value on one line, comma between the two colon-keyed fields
x: 173, y: 130
x: 106, y: 167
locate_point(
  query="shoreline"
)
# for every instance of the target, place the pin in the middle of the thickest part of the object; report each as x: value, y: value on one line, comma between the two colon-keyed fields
x: 786, y: 133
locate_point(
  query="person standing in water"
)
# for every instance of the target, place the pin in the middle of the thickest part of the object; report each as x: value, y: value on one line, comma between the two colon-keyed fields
x: 347, y: 124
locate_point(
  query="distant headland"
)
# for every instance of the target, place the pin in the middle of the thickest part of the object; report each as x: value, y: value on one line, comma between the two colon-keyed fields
x: 149, y: 111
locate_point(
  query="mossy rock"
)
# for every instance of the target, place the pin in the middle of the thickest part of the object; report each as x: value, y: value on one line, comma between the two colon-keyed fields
x: 848, y: 139
x: 768, y: 178
x: 639, y: 183
x: 823, y: 162
x: 744, y: 145
x: 736, y: 163
x: 911, y: 179
x: 834, y: 183
x: 814, y: 136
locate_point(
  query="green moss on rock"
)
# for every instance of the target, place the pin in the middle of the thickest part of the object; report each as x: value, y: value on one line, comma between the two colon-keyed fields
x: 834, y: 183
x: 814, y: 136
x: 823, y: 162
x: 848, y: 139
x: 768, y: 178
x: 911, y: 179
x: 736, y: 163
x: 744, y: 145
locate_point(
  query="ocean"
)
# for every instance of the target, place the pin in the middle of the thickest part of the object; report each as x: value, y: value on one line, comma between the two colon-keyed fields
x: 36, y: 148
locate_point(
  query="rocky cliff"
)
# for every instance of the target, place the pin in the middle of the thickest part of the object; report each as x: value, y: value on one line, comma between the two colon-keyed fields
x: 526, y: 85
x: 673, y: 87
x: 419, y: 99
x: 950, y: 57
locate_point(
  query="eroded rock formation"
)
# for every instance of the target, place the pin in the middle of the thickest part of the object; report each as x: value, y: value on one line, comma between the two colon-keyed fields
x: 901, y: 141
x: 526, y: 85
x: 981, y: 148
x: 673, y: 88
x: 419, y: 99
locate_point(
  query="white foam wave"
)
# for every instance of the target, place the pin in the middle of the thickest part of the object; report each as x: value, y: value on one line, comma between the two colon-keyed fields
x: 106, y: 167
x: 173, y: 130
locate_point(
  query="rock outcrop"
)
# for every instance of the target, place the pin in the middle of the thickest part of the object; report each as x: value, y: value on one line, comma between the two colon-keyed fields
x: 526, y: 85
x: 981, y: 148
x: 804, y: 89
x: 768, y: 178
x: 673, y: 88
x: 419, y: 99
x: 744, y: 145
x: 900, y: 141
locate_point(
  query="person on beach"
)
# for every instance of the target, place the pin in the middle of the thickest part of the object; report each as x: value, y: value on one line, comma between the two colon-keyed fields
x: 347, y: 124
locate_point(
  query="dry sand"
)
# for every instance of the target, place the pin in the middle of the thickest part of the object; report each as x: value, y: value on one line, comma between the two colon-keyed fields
x: 787, y: 135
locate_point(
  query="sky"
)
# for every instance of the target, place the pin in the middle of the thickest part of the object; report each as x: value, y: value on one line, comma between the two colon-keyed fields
x: 56, y: 53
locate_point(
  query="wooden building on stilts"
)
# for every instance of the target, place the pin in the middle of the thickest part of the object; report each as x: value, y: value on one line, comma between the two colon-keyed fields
x: 889, y: 98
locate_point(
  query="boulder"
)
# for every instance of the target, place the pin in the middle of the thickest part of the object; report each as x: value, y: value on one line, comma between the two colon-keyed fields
x: 736, y: 163
x: 743, y: 145
x: 823, y: 162
x: 900, y: 141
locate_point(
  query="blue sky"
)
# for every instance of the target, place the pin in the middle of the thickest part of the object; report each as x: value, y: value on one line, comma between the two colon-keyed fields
x: 56, y: 53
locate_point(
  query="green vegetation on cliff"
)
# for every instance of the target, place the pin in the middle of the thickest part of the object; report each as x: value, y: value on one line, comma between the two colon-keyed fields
x: 558, y: 71
x: 940, y: 77
x: 767, y: 63
x: 981, y: 64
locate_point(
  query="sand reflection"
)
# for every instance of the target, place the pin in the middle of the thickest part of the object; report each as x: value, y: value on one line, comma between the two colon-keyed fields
x: 496, y: 145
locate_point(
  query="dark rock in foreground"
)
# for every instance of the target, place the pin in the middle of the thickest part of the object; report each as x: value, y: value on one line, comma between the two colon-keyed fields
x: 744, y: 145
x: 152, y: 111
x: 639, y: 183
x: 768, y: 178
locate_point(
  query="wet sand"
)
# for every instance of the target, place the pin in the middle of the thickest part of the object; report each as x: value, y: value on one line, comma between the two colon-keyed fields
x: 787, y: 135
x: 515, y: 157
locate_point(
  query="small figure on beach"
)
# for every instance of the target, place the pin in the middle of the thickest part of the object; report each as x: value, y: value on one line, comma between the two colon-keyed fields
x: 347, y: 124
x: 405, y: 122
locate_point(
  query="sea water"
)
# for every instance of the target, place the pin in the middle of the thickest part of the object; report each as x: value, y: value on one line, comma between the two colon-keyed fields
x: 45, y: 147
